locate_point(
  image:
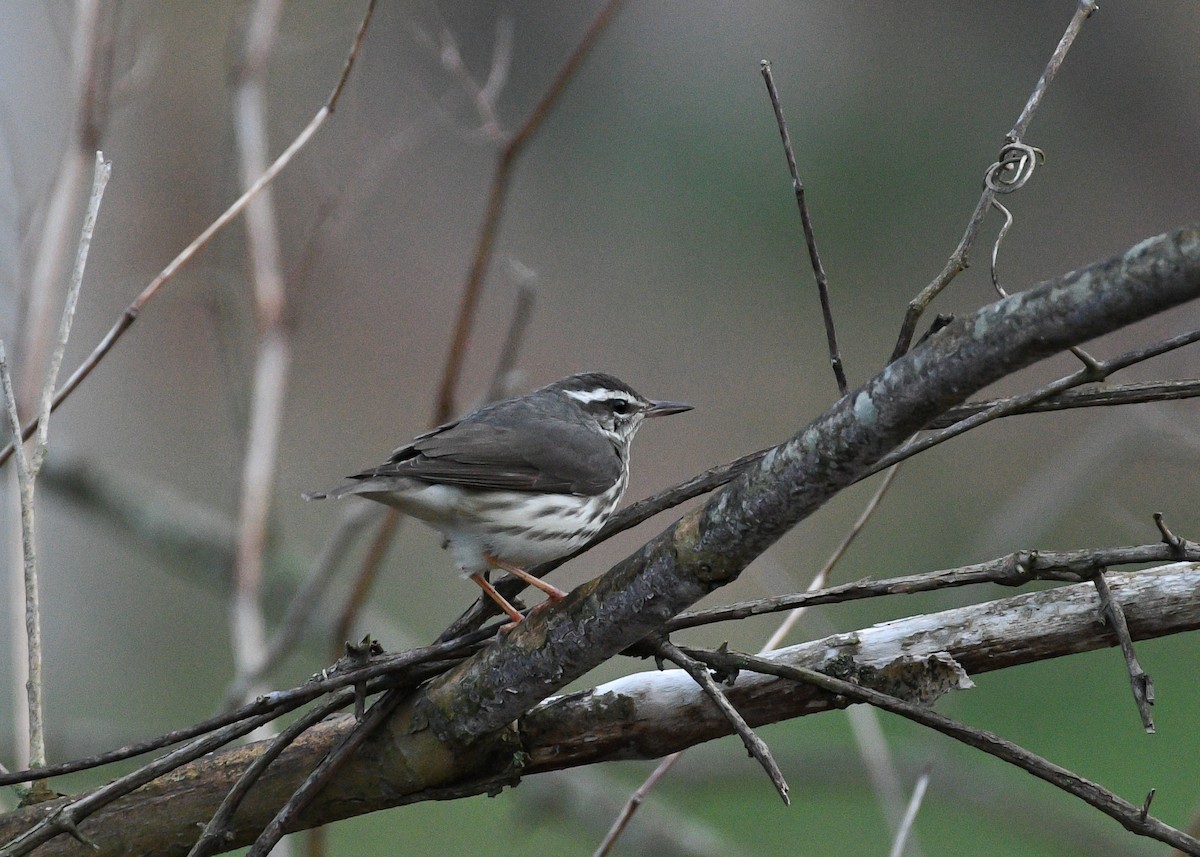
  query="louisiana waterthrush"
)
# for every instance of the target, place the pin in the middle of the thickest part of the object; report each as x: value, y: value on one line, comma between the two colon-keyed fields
x: 518, y: 482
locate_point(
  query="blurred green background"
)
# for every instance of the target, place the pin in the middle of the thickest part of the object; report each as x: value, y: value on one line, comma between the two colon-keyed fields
x: 655, y: 209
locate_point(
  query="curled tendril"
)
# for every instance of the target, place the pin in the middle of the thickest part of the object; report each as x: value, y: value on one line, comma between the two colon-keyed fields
x: 1013, y: 168
x: 1011, y: 171
x: 1008, y: 221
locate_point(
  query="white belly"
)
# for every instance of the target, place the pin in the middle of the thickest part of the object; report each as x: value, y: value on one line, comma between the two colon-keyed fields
x: 520, y: 527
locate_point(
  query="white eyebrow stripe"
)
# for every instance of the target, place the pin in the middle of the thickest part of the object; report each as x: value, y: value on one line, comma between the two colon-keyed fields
x: 596, y: 395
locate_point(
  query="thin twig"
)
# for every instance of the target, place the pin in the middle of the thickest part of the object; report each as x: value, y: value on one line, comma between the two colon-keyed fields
x: 391, y: 667
x: 810, y: 238
x: 1131, y: 817
x: 755, y: 746
x: 213, y: 838
x: 473, y: 289
x: 1083, y: 11
x: 28, y: 466
x: 821, y: 577
x: 102, y: 171
x: 1139, y: 680
x: 336, y: 757
x: 960, y: 258
x: 72, y: 813
x: 1098, y: 371
x: 634, y: 803
x: 1099, y: 397
x: 1014, y: 569
x: 910, y: 814
x: 131, y: 313
x: 879, y: 763
x: 875, y: 754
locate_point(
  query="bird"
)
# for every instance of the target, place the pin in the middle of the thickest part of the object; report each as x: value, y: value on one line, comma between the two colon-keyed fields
x: 517, y: 482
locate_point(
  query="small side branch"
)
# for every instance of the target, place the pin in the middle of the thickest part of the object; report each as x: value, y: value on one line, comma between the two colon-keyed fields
x: 274, y: 831
x: 1139, y: 680
x: 755, y: 746
x: 1015, y: 569
x: 216, y: 832
x: 810, y: 238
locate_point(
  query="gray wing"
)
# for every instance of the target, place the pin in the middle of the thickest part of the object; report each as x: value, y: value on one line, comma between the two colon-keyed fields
x: 546, y: 454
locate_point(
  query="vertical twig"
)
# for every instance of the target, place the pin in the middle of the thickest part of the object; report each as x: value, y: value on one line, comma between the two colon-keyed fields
x: 910, y: 814
x: 273, y: 358
x: 34, y: 333
x: 810, y: 238
x: 32, y: 667
x: 869, y: 739
x: 28, y: 466
x: 103, y: 169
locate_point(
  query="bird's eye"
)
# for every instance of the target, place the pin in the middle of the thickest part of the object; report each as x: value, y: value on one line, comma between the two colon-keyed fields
x: 619, y: 406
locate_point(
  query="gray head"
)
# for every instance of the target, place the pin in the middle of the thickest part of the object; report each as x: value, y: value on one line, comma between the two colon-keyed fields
x: 615, y: 407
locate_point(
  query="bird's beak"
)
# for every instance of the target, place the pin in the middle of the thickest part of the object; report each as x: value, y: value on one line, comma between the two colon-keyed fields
x: 663, y: 409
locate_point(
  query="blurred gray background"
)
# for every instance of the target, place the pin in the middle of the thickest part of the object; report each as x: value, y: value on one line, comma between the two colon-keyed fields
x: 655, y: 209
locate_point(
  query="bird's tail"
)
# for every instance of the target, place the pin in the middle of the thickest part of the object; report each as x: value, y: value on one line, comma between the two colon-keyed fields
x: 330, y: 493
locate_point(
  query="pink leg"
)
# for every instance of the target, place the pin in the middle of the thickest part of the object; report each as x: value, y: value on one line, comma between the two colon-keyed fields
x: 552, y: 591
